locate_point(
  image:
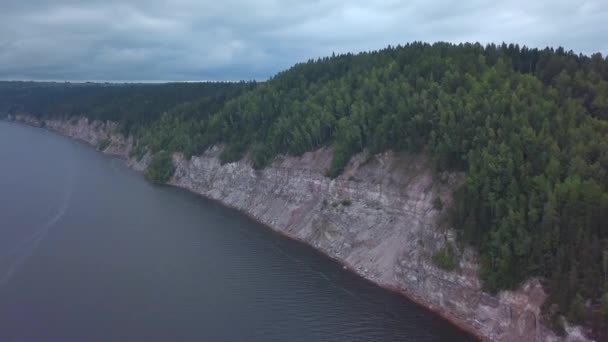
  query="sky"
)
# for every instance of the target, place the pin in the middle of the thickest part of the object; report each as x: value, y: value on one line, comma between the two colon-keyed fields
x: 177, y: 40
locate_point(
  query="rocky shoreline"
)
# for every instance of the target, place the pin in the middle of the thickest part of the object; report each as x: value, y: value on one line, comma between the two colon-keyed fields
x: 377, y: 219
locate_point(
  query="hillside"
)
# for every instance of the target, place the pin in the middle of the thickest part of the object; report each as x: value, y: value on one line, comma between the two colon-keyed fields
x: 528, y: 128
x: 132, y: 105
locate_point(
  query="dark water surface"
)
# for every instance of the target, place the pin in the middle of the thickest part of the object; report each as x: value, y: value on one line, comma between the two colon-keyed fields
x: 89, y: 251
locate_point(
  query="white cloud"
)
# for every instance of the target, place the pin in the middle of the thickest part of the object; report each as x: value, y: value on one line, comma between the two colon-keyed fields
x: 209, y: 39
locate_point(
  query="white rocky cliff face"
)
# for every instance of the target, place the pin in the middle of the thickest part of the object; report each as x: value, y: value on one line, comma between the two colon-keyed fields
x: 377, y: 219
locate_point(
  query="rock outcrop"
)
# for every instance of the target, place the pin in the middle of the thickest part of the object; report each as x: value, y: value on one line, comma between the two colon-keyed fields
x: 377, y: 218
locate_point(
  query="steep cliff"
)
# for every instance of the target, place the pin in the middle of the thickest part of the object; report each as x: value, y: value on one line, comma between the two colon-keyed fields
x: 377, y: 218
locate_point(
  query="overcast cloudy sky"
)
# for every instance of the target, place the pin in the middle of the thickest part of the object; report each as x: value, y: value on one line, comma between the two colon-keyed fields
x: 245, y: 39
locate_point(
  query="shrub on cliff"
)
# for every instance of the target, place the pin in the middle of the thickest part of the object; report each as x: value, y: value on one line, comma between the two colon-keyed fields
x: 103, y: 143
x: 437, y: 203
x: 446, y: 258
x: 161, y: 168
x: 138, y: 152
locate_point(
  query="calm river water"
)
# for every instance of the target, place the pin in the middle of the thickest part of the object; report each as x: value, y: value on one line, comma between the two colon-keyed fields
x: 89, y: 251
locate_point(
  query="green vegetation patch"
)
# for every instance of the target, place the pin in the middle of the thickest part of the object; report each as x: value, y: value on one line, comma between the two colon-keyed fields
x: 446, y: 258
x: 437, y: 203
x: 161, y: 168
x: 103, y: 143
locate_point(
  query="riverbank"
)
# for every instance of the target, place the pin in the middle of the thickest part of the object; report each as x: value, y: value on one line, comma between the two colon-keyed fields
x: 377, y: 219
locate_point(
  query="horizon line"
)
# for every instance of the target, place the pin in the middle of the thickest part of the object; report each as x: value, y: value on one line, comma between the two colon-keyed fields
x: 127, y: 81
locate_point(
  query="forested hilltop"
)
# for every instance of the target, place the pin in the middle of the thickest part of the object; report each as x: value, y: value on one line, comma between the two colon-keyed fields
x: 529, y: 127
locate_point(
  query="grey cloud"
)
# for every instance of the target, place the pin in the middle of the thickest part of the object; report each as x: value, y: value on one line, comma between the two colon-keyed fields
x: 237, y: 39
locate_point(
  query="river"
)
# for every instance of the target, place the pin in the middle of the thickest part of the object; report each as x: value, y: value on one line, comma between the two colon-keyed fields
x: 90, y: 251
